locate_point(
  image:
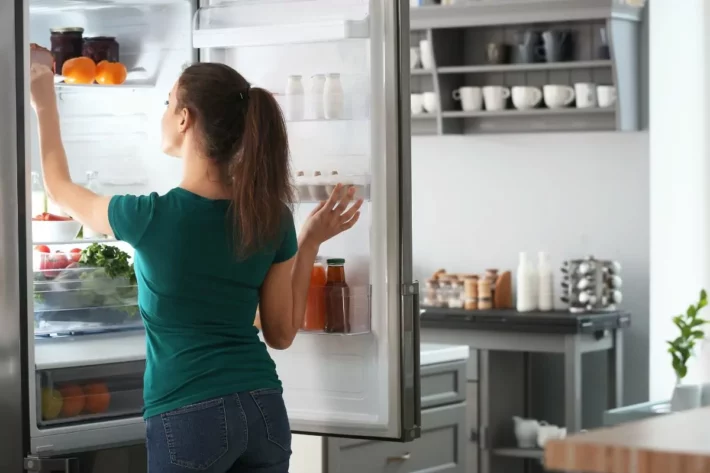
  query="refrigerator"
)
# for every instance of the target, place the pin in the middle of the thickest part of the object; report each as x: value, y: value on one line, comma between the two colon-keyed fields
x: 72, y: 348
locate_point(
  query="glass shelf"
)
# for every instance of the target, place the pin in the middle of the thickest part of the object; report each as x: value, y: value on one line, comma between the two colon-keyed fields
x: 265, y: 23
x: 312, y: 189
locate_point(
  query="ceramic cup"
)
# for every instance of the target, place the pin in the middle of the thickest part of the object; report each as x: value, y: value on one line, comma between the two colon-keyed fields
x: 426, y: 54
x: 417, y: 103
x: 558, y: 96
x: 495, y: 97
x: 497, y: 53
x: 549, y: 432
x: 471, y: 98
x: 414, y: 58
x: 525, y: 97
x: 586, y: 94
x: 606, y: 95
x: 431, y: 102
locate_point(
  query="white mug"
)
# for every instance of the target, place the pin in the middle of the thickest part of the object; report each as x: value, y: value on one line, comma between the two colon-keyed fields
x: 431, y: 102
x: 558, y: 96
x: 417, y: 103
x: 586, y: 93
x: 495, y: 96
x: 427, y: 54
x: 414, y: 57
x: 471, y: 98
x: 606, y: 95
x: 525, y: 97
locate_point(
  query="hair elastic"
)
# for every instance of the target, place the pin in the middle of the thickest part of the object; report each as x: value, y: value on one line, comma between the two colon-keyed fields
x: 245, y: 94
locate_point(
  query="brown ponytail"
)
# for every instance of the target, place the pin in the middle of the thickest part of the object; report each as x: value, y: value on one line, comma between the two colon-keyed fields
x: 244, y: 132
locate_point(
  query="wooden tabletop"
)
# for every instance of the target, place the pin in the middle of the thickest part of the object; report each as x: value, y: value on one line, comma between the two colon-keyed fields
x: 673, y: 443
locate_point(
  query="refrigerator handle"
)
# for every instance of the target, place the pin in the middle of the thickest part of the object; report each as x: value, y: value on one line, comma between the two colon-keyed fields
x: 411, y: 376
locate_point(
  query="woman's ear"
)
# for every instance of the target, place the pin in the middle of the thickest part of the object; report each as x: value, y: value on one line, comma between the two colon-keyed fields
x: 185, y: 120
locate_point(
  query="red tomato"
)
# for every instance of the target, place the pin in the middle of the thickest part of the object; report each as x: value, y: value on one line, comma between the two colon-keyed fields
x: 52, y: 264
x: 56, y: 218
x: 75, y: 255
x: 42, y: 248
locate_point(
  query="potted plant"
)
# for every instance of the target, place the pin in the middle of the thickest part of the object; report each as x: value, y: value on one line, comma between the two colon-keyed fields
x: 682, y: 348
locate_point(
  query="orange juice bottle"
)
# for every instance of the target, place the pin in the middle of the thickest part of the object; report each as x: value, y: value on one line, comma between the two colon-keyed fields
x: 314, y: 321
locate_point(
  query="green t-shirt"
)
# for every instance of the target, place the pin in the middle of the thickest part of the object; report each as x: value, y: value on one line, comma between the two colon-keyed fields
x: 197, y: 299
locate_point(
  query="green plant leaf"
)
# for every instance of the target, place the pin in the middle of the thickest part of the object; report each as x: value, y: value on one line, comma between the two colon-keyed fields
x: 698, y: 334
x: 692, y: 311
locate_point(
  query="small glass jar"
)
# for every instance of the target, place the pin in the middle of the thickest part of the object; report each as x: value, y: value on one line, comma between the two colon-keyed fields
x: 442, y: 293
x: 101, y: 48
x: 65, y: 44
x: 430, y: 294
x: 456, y: 295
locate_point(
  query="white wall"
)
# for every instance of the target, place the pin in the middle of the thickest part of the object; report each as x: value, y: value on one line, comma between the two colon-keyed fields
x: 679, y: 171
x: 478, y: 201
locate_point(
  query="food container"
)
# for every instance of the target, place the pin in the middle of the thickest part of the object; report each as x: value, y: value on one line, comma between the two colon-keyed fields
x: 317, y: 188
x: 72, y: 298
x: 100, y: 48
x: 55, y: 231
x: 66, y: 43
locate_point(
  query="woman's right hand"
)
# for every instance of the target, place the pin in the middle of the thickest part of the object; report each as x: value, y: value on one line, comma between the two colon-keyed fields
x: 332, y: 217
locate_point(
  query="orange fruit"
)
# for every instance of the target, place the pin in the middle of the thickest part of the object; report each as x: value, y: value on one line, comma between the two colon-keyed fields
x: 98, y: 398
x: 74, y: 400
x: 111, y: 73
x: 79, y: 70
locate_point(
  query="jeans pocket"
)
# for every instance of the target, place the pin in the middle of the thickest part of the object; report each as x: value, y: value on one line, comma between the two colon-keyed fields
x: 273, y: 410
x: 196, y: 434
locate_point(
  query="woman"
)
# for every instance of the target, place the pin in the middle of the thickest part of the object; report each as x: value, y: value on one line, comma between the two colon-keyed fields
x: 206, y: 254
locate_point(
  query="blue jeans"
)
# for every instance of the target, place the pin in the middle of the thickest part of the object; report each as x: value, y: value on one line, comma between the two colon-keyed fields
x: 246, y: 432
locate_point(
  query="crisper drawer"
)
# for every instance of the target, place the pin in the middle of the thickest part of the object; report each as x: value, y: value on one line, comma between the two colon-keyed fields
x: 440, y: 449
x: 442, y: 384
x: 71, y: 297
x: 89, y: 393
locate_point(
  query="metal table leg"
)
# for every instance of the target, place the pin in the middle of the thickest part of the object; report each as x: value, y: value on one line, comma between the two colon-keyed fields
x: 615, y: 371
x: 573, y: 383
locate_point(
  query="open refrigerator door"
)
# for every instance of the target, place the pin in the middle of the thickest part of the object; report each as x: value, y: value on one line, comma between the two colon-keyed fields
x: 336, y: 69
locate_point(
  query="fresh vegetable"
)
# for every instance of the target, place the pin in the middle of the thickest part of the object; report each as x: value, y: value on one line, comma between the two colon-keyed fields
x: 111, y: 73
x: 111, y: 259
x: 79, y: 70
x: 75, y: 255
x: 48, y: 217
x: 51, y: 264
x: 42, y: 249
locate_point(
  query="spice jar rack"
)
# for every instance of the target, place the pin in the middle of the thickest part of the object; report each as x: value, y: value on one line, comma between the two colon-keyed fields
x: 469, y: 291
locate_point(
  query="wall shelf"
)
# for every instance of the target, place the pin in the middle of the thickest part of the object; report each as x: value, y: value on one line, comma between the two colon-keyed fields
x: 600, y: 46
x: 510, y: 12
x: 538, y: 66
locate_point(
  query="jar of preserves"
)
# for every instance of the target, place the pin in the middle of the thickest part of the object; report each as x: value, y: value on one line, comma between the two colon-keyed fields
x: 101, y: 48
x: 65, y: 44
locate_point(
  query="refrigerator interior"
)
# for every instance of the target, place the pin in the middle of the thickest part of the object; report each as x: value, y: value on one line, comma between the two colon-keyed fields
x: 340, y: 383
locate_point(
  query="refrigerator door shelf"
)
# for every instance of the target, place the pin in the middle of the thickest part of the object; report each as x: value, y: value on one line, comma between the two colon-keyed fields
x: 232, y: 25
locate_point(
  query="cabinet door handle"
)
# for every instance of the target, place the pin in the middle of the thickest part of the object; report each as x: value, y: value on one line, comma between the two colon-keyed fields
x: 399, y: 459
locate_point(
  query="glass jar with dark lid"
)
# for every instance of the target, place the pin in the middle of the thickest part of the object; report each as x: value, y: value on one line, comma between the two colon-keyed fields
x: 101, y: 48
x: 66, y: 43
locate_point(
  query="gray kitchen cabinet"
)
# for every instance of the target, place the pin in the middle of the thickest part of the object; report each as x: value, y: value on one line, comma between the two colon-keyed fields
x: 442, y: 447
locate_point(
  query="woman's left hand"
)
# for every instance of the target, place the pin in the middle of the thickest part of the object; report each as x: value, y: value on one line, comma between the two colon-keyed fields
x: 42, y: 87
x: 333, y: 216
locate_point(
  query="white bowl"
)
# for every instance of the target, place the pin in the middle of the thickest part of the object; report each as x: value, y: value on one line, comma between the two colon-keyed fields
x: 55, y: 232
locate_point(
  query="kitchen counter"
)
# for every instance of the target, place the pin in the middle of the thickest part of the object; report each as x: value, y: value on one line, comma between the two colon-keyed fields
x: 674, y: 443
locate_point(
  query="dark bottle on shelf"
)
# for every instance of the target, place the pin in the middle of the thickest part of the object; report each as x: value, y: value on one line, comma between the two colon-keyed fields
x: 65, y: 44
x: 337, y: 298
